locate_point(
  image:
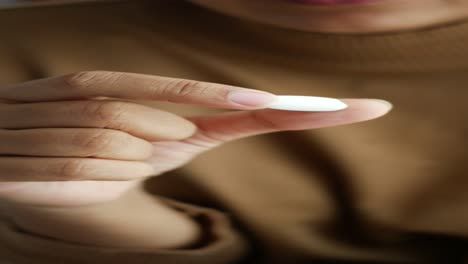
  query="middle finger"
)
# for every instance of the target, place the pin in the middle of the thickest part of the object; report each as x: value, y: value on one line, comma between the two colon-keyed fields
x: 74, y: 142
x: 138, y: 120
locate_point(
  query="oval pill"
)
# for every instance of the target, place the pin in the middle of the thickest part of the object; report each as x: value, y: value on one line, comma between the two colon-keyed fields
x: 306, y: 103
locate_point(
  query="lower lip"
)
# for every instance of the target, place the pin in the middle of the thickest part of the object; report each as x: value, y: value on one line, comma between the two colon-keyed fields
x: 332, y: 2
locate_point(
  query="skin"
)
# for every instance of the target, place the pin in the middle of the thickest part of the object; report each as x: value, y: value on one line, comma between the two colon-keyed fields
x: 85, y: 144
x: 377, y: 16
x: 93, y: 148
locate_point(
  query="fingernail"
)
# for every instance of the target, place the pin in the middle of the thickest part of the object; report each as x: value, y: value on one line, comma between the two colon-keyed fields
x: 251, y: 98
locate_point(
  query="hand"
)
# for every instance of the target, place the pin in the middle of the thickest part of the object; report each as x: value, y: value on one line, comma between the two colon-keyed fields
x: 63, y: 145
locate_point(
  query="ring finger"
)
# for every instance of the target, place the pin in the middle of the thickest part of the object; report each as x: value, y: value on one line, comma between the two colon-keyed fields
x: 71, y: 169
x: 74, y: 142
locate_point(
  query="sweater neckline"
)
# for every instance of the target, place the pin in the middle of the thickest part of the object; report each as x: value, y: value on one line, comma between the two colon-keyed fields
x: 440, y: 48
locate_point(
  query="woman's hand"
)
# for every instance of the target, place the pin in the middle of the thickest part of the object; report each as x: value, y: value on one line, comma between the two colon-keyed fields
x: 61, y: 144
x: 72, y: 145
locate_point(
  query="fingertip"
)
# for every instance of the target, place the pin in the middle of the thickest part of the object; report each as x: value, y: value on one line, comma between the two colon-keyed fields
x: 367, y: 109
x: 179, y: 129
x: 188, y: 130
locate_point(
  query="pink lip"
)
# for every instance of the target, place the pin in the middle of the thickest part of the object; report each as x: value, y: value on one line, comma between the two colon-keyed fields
x: 331, y: 2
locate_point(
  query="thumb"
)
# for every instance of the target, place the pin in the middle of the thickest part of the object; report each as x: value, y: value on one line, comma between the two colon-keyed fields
x: 225, y: 127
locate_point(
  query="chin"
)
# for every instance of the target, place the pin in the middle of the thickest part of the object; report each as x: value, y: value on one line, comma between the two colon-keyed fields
x: 375, y: 16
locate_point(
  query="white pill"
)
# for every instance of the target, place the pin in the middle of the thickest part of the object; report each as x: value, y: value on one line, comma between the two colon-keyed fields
x: 306, y: 103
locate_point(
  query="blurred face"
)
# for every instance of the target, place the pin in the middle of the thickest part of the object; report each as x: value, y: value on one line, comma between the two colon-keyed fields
x: 352, y: 16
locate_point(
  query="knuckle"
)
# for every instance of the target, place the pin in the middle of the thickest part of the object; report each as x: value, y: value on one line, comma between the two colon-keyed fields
x: 184, y: 88
x: 78, y: 80
x: 106, y: 112
x: 264, y: 121
x: 85, y: 79
x: 94, y: 142
x: 73, y: 169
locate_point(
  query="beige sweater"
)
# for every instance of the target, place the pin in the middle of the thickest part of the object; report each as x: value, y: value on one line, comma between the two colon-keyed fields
x: 393, y: 189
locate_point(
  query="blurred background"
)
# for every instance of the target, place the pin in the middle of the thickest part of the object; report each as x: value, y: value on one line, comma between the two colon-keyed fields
x: 15, y: 3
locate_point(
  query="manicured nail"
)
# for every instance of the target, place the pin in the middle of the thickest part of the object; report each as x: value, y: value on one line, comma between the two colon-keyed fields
x: 307, y: 103
x: 251, y: 98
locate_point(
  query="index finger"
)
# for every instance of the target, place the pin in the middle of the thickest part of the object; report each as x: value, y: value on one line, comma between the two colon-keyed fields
x: 229, y: 126
x: 91, y: 84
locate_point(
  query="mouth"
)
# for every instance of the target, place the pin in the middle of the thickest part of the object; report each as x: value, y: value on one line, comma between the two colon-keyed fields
x: 331, y: 2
